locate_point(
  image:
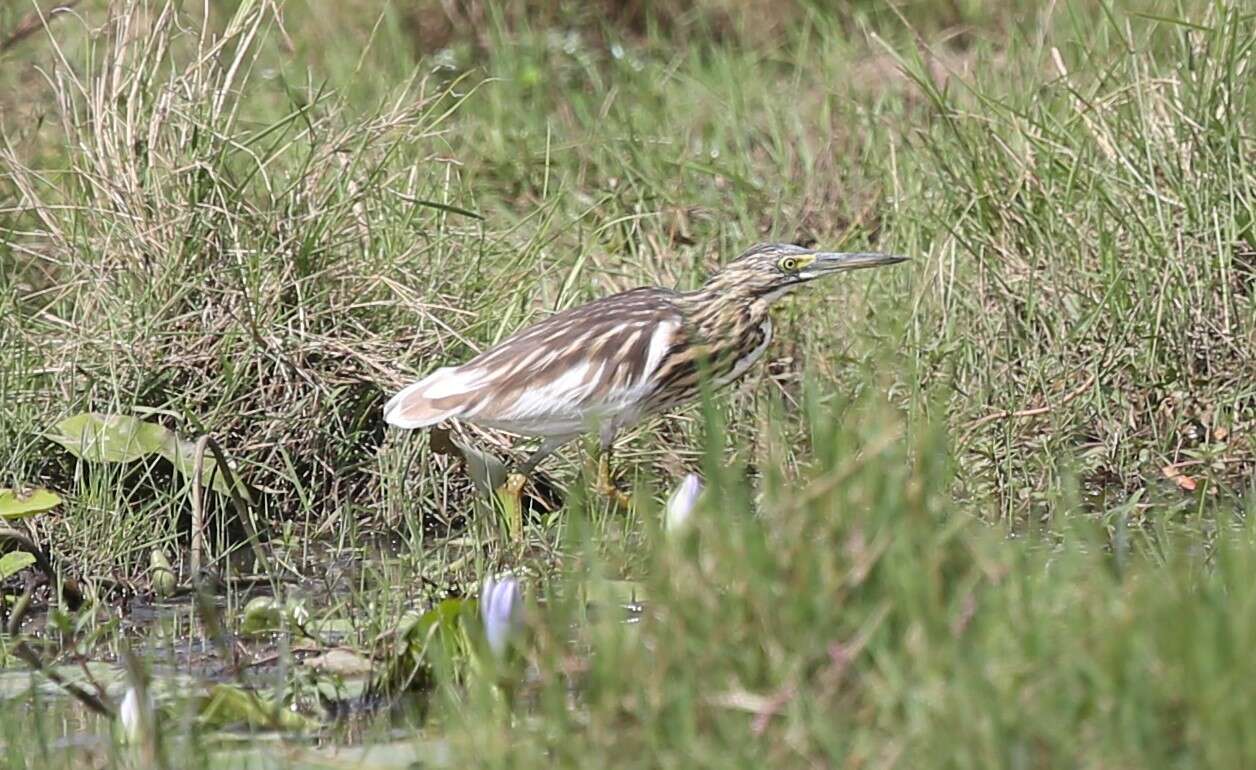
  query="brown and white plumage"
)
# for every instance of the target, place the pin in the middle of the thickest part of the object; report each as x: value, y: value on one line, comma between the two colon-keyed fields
x: 606, y: 365
x: 560, y: 377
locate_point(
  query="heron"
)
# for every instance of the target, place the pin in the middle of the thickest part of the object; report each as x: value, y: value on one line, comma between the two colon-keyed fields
x: 606, y: 365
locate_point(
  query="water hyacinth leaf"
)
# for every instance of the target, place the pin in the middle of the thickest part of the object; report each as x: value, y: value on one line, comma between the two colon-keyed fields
x: 17, y: 683
x: 444, y: 622
x: 397, y: 754
x: 268, y: 615
x: 109, y: 438
x: 182, y: 455
x: 341, y: 661
x: 162, y: 574
x: 18, y: 505
x: 262, y: 615
x: 445, y: 616
x: 116, y: 438
x: 334, y: 687
x: 486, y: 471
x: 333, y: 628
x: 231, y: 706
x: 13, y: 563
x: 438, y: 633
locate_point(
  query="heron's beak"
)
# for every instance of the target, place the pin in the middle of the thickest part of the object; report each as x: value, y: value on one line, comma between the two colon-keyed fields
x: 827, y: 262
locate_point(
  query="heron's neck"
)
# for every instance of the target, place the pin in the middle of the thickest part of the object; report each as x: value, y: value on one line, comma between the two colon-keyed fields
x: 715, y: 310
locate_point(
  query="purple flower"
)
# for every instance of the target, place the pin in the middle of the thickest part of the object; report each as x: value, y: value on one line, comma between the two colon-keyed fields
x: 681, y: 503
x: 501, y: 610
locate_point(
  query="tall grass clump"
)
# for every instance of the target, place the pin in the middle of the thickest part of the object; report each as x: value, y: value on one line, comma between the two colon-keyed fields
x: 990, y: 509
x: 1093, y: 280
x: 226, y: 252
x: 857, y: 617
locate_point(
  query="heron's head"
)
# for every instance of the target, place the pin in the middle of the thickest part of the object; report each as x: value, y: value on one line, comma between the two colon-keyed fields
x: 771, y: 270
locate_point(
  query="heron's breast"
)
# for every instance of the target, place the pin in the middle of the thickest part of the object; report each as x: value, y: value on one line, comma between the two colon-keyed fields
x: 750, y: 352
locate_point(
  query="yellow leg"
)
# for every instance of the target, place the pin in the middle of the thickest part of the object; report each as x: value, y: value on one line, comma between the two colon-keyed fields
x: 510, y: 495
x: 605, y: 483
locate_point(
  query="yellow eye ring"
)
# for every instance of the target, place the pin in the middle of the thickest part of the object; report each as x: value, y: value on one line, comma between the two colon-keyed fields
x: 789, y: 264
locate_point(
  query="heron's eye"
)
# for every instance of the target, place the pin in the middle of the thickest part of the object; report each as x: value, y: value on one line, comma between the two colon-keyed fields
x: 789, y: 264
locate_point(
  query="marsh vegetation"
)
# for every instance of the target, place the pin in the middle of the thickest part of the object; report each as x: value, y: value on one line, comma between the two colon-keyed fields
x: 994, y: 510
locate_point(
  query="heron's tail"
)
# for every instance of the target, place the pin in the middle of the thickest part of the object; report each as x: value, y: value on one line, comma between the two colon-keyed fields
x: 427, y: 402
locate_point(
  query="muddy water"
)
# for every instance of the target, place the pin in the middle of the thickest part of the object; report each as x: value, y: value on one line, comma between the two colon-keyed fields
x: 332, y: 599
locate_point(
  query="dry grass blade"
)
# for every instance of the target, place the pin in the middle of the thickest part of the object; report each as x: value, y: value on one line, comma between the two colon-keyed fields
x: 244, y: 258
x: 1031, y: 412
x: 88, y: 699
x: 33, y: 22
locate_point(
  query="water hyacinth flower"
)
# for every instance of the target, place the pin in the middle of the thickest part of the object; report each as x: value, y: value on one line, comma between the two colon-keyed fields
x: 135, y: 714
x: 681, y: 503
x: 501, y: 610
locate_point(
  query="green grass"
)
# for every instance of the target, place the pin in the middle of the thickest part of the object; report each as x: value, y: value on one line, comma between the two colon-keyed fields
x: 944, y: 526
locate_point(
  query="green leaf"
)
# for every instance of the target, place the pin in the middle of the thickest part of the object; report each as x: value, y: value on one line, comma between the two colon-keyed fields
x: 341, y: 661
x: 228, y: 705
x: 262, y: 615
x: 444, y: 624
x: 109, y: 438
x: 446, y: 615
x: 487, y: 471
x: 17, y: 505
x: 13, y: 563
x: 268, y: 615
x: 182, y: 455
x: 442, y: 207
x: 116, y: 438
x: 161, y: 573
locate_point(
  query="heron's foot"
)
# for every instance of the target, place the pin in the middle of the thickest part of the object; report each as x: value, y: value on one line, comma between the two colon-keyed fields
x: 513, y: 487
x: 510, y: 495
x: 605, y: 484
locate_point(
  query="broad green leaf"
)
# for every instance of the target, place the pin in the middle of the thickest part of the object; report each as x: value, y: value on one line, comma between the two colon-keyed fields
x: 333, y: 627
x: 267, y: 615
x: 445, y: 624
x: 486, y: 471
x: 426, y: 753
x: 182, y: 455
x: 17, y: 505
x: 262, y: 615
x: 340, y: 661
x: 162, y: 575
x: 228, y: 705
x: 446, y: 615
x: 109, y: 438
x: 21, y: 682
x: 443, y: 628
x: 13, y: 563
x: 116, y: 438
